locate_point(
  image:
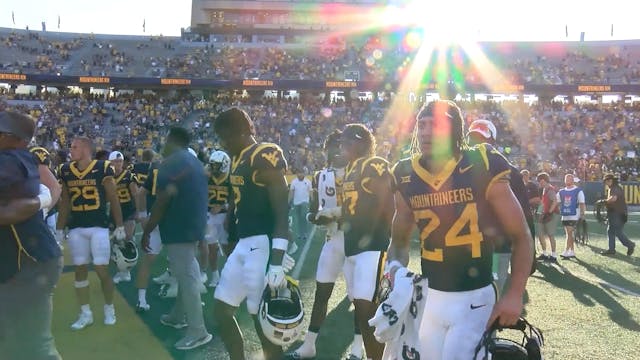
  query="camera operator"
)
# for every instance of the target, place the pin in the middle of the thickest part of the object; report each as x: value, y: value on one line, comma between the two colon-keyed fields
x: 617, y: 214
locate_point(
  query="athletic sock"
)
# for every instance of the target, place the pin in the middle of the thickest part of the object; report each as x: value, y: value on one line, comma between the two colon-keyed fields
x: 356, y: 346
x: 142, y: 296
x: 85, y: 309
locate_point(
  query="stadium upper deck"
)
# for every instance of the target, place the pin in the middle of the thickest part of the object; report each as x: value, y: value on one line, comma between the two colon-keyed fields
x: 35, y: 52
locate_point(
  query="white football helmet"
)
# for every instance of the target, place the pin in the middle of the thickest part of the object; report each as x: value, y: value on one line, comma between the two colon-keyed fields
x: 125, y: 256
x: 220, y: 157
x: 281, y: 314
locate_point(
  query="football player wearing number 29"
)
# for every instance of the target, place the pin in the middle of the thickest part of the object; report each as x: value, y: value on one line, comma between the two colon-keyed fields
x: 259, y: 204
x: 460, y: 200
x: 87, y: 185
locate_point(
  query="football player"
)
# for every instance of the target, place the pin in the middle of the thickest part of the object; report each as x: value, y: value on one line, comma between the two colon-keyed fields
x: 366, y: 221
x: 219, y: 164
x: 325, y: 210
x: 127, y: 188
x: 484, y: 132
x: 48, y: 179
x: 260, y: 205
x: 87, y: 186
x: 146, y: 197
x: 460, y: 200
x: 141, y: 169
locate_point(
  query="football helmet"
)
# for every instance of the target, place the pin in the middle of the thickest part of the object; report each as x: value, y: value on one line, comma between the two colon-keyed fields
x: 491, y: 347
x: 125, y: 256
x: 221, y: 159
x: 281, y: 313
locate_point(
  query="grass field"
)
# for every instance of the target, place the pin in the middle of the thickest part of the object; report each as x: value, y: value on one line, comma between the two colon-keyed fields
x: 588, y: 308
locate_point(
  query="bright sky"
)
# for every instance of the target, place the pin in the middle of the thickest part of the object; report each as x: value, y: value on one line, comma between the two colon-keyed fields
x: 492, y: 20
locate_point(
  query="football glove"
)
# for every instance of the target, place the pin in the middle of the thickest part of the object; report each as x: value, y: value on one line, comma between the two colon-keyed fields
x: 288, y: 263
x: 119, y: 234
x: 276, y: 278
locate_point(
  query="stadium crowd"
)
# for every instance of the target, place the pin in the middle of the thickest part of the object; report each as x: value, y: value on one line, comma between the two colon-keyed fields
x: 588, y: 140
x: 372, y: 58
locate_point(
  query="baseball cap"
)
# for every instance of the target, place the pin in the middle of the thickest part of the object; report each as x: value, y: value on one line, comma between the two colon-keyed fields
x: 116, y: 155
x: 608, y: 177
x: 16, y: 124
x: 484, y: 128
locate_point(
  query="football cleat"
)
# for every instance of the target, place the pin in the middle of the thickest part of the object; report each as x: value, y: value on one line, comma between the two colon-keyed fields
x: 165, y: 278
x: 109, y: 315
x: 122, y: 276
x: 83, y: 321
x: 215, y: 279
x: 142, y: 307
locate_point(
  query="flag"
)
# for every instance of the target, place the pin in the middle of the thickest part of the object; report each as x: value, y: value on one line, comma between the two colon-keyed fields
x: 44, y: 26
x: 13, y: 17
x: 144, y: 25
x: 58, y: 21
x: 611, y: 30
x: 566, y: 30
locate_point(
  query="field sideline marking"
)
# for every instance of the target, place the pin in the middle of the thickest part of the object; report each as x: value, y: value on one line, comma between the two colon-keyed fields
x: 303, y: 255
x: 598, y: 281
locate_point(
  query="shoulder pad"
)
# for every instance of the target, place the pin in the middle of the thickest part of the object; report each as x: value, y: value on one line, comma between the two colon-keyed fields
x: 42, y: 155
x: 375, y: 167
x: 489, y: 159
x: 268, y: 156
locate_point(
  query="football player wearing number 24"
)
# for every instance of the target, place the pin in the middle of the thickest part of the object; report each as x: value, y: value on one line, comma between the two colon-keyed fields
x: 460, y: 200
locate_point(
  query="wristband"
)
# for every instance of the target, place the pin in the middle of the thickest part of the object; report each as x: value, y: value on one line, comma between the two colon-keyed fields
x: 280, y: 244
x: 142, y: 214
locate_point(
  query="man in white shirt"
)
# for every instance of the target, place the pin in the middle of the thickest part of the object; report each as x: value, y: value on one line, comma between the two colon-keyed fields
x: 572, y: 208
x: 299, y: 193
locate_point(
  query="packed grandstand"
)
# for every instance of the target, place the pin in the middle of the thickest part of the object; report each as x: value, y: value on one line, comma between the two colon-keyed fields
x: 583, y: 117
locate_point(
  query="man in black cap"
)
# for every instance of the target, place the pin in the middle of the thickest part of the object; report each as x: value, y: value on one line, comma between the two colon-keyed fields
x: 30, y: 258
x: 617, y: 215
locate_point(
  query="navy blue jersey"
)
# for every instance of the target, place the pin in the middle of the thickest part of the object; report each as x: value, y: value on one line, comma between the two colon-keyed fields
x: 253, y: 210
x: 218, y: 190
x: 140, y: 170
x: 366, y: 216
x: 19, y: 178
x: 42, y: 156
x: 88, y: 202
x: 126, y: 198
x: 457, y: 225
x: 151, y: 184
